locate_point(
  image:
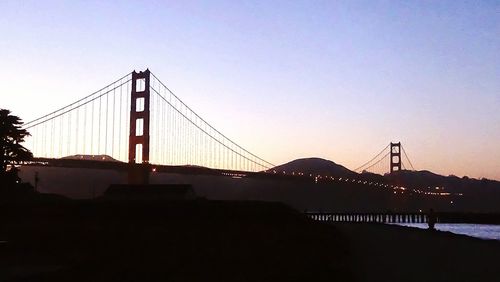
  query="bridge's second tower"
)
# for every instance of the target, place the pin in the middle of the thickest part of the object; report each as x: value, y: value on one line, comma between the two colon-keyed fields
x: 138, y: 152
x: 395, y: 156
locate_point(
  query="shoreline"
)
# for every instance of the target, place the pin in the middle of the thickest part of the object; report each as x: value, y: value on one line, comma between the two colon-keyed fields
x: 445, y: 227
x: 397, y: 253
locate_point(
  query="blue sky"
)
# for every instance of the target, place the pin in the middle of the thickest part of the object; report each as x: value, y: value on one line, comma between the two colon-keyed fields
x: 286, y: 79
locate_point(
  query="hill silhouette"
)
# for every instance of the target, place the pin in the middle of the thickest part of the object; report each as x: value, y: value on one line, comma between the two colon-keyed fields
x: 423, y: 180
x: 451, y: 183
x: 314, y: 166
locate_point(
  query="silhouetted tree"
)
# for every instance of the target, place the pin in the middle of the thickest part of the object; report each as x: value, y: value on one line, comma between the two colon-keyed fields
x: 11, y: 150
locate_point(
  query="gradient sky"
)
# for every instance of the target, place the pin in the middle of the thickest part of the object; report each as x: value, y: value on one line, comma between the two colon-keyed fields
x: 285, y: 79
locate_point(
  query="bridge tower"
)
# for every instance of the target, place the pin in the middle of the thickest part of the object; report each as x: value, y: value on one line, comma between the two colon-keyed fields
x: 395, y: 156
x: 138, y: 152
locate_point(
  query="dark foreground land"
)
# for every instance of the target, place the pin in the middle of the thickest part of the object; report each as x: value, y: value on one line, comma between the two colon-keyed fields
x: 161, y: 241
x: 223, y: 241
x: 394, y: 253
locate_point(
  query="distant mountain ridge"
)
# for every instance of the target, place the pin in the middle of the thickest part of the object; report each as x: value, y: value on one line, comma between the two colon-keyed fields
x: 424, y: 179
x: 314, y: 166
x: 105, y: 158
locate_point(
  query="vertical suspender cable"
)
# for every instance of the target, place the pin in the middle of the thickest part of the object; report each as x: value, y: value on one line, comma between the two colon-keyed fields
x: 60, y: 136
x: 52, y: 138
x: 77, y: 111
x: 106, y: 126
x: 84, y: 137
x: 157, y: 133
x: 68, y: 142
x: 92, y: 129
x: 120, y: 124
x: 99, y: 130
x: 113, y: 125
x: 164, y: 128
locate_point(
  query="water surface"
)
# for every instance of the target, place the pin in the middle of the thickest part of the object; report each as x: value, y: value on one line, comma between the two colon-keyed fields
x: 483, y: 231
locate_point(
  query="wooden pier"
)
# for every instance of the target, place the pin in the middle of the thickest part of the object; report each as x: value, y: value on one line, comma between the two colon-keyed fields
x: 407, y: 217
x: 370, y: 217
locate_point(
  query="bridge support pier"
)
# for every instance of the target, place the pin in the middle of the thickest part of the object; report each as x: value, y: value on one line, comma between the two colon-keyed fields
x: 138, y: 174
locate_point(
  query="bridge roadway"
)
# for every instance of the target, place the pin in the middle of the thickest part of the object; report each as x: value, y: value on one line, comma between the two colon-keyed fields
x: 181, y: 169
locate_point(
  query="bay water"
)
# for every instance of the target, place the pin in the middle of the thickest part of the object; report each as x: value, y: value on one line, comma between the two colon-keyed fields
x: 483, y: 231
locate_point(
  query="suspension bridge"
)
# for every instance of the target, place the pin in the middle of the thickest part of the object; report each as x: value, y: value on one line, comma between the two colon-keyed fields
x: 138, y: 122
x: 393, y: 154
